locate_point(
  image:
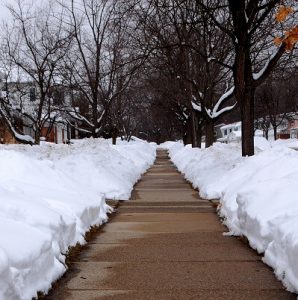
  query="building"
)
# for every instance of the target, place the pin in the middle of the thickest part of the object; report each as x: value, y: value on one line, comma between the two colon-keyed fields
x: 6, y: 137
x: 293, y: 128
x: 23, y: 101
x: 288, y: 128
x: 230, y: 133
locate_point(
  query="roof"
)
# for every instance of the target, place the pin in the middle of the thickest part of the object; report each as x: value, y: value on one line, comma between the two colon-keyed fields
x: 232, y: 125
x: 219, y: 125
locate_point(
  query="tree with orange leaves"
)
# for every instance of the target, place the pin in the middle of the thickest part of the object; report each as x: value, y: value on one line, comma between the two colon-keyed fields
x: 290, y: 37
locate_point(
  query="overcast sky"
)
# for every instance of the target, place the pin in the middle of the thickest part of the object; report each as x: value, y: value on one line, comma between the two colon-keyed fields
x: 4, y: 13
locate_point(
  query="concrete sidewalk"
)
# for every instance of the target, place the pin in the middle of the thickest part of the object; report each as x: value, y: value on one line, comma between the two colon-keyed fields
x: 167, y: 243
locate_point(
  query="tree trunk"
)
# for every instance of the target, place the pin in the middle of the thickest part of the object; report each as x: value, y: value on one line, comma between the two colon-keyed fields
x: 247, y: 125
x: 200, y: 135
x: 187, y: 137
x: 209, y: 131
x: 94, y: 132
x: 114, y: 136
x: 266, y: 134
x: 275, y: 132
x: 242, y: 73
x: 37, y: 136
x: 194, y: 129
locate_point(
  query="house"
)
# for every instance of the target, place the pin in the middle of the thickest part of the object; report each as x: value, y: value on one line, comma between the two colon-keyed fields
x: 292, y: 128
x: 288, y: 128
x: 217, y: 131
x: 58, y: 132
x: 230, y: 132
x: 6, y: 137
x: 23, y: 100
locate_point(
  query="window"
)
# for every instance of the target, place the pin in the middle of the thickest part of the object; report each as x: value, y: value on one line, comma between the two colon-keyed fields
x: 58, y: 96
x: 32, y: 94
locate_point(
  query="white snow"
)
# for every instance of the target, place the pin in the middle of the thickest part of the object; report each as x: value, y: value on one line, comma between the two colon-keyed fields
x: 216, y: 112
x: 20, y: 137
x: 50, y: 195
x: 196, y: 107
x: 258, y: 195
x: 25, y: 138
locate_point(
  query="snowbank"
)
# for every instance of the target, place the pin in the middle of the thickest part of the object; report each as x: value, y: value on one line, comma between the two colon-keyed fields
x: 258, y: 196
x: 50, y: 195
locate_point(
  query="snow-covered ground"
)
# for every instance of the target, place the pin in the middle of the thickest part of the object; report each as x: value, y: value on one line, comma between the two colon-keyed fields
x: 50, y: 195
x: 258, y: 195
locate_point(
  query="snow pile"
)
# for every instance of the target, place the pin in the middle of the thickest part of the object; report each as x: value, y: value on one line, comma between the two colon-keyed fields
x: 50, y: 195
x: 258, y: 196
x: 166, y: 145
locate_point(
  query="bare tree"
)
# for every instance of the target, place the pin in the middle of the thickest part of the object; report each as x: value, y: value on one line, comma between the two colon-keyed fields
x: 211, y: 73
x: 101, y: 64
x: 248, y: 23
x: 35, y: 44
x: 193, y: 54
x: 276, y: 100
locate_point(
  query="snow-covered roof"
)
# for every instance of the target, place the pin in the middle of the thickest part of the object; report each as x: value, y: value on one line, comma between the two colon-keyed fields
x: 219, y: 125
x: 232, y: 125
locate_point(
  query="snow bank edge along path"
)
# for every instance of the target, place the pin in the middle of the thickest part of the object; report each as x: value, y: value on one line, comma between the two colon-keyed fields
x: 258, y: 196
x: 50, y: 195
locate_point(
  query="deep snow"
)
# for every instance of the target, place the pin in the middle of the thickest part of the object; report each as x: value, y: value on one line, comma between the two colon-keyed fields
x: 50, y: 195
x: 258, y: 195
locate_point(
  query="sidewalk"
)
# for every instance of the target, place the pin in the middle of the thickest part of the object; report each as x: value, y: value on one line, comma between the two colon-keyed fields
x: 167, y: 243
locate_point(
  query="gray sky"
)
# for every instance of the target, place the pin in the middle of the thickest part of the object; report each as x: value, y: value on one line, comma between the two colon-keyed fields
x: 4, y: 13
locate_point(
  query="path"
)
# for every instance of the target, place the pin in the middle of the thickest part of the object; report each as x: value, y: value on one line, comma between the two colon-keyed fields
x: 167, y: 243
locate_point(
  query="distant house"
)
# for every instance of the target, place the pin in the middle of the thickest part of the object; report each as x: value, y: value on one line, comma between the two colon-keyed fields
x: 23, y: 97
x: 230, y: 132
x: 293, y: 128
x: 58, y: 133
x: 6, y: 137
x: 288, y: 128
